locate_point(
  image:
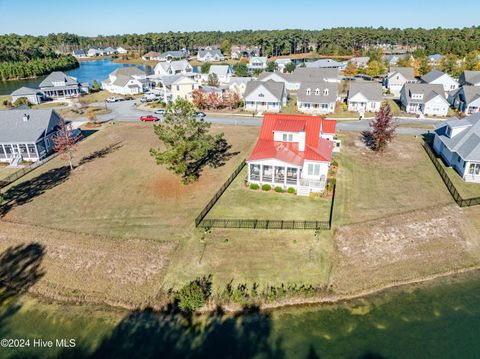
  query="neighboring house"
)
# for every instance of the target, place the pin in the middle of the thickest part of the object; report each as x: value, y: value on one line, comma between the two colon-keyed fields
x: 238, y: 84
x: 180, y: 86
x: 292, y: 151
x: 121, y: 50
x: 324, y: 64
x: 434, y: 59
x: 223, y: 72
x: 294, y: 80
x: 173, y: 68
x: 173, y: 55
x: 458, y: 142
x: 34, y: 96
x: 361, y: 61
x: 397, y: 77
x: 466, y: 99
x: 27, y: 134
x: 268, y: 96
x: 470, y: 78
x: 392, y: 60
x: 95, y: 52
x: 424, y: 99
x: 282, y: 63
x: 151, y: 56
x: 59, y: 85
x: 364, y: 97
x: 127, y: 81
x: 79, y: 54
x: 212, y: 55
x: 257, y: 63
x: 109, y: 51
x: 439, y: 77
x: 317, y: 97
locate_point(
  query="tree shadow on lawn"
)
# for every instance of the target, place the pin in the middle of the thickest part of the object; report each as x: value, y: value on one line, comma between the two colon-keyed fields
x: 171, y: 334
x: 19, y: 270
x: 26, y: 191
x: 216, y: 157
x: 368, y: 139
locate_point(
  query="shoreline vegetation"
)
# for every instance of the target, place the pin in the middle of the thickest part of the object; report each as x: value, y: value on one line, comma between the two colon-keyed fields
x: 24, y: 70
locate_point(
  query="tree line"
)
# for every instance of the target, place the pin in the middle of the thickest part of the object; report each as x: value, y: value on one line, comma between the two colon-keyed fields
x: 335, y: 41
x: 10, y: 70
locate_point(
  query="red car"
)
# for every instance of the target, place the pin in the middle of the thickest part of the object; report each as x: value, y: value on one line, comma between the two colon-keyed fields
x: 149, y: 118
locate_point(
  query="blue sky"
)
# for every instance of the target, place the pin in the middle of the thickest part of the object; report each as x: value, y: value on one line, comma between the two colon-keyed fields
x: 92, y: 17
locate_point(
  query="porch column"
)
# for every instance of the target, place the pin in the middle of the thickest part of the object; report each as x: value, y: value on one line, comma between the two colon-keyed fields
x: 285, y: 177
x: 298, y: 176
x: 273, y: 174
x: 261, y: 173
x: 248, y: 171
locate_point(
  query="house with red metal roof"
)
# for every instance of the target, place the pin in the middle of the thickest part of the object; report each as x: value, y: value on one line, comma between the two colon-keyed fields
x: 293, y: 151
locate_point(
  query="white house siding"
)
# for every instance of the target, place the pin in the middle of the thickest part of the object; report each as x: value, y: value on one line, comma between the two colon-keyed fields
x: 261, y: 100
x: 447, y: 82
x: 315, y: 108
x: 436, y: 107
x: 33, y: 98
x: 361, y: 103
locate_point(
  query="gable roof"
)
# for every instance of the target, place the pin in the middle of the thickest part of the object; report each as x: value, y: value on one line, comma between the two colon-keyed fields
x: 316, y: 148
x: 25, y: 91
x: 470, y: 93
x: 212, y: 53
x: 372, y: 91
x: 314, y: 74
x: 406, y: 72
x: 331, y: 96
x: 432, y: 76
x: 466, y: 143
x: 323, y: 63
x: 129, y: 71
x: 13, y: 129
x: 275, y: 88
x: 58, y: 76
x: 470, y: 77
x: 429, y: 92
x: 220, y: 70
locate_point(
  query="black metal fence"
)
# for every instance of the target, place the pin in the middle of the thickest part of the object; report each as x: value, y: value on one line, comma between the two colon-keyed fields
x: 219, y: 193
x: 23, y: 171
x: 203, y: 222
x: 448, y: 182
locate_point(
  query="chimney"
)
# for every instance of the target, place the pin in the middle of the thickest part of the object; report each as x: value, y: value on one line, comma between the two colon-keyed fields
x: 26, y: 117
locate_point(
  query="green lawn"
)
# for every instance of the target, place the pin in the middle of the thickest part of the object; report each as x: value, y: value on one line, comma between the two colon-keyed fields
x: 50, y: 105
x: 241, y: 202
x: 466, y: 190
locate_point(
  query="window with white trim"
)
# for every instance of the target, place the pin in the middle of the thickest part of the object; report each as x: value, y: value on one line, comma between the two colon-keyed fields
x: 313, y: 169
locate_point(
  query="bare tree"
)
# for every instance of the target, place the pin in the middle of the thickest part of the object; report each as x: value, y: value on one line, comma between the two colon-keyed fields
x: 64, y: 141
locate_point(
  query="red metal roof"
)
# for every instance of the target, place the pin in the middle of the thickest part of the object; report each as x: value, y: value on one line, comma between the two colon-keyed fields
x: 316, y: 149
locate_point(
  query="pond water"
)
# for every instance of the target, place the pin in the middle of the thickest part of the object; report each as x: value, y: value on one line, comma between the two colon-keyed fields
x: 435, y: 321
x: 87, y: 72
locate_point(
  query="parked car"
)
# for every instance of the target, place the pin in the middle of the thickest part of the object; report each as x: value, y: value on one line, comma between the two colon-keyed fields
x: 128, y: 98
x: 113, y: 99
x: 160, y: 111
x: 201, y: 114
x: 149, y: 118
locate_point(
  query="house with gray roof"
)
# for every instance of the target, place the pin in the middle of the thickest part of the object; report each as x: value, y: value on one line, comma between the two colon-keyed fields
x: 34, y: 96
x: 173, y: 68
x: 59, y: 85
x: 79, y: 53
x: 471, y: 78
x: 211, y: 55
x: 397, y: 77
x: 458, y: 142
x: 238, y: 84
x: 257, y: 63
x: 325, y: 64
x: 424, y: 99
x: 128, y: 80
x: 364, y: 97
x: 439, y: 77
x: 434, y: 59
x: 301, y: 74
x: 173, y: 55
x: 317, y: 97
x: 27, y: 134
x: 466, y: 99
x: 265, y: 96
x: 223, y: 73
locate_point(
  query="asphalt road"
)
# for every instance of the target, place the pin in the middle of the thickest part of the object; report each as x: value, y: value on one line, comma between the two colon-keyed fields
x: 125, y: 112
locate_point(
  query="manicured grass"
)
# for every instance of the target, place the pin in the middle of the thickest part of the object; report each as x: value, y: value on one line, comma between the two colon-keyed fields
x: 291, y: 107
x: 371, y: 185
x: 466, y: 190
x: 99, y: 96
x: 4, y: 171
x: 241, y: 202
x: 340, y: 112
x: 50, y: 105
x: 3, y: 98
x: 83, y: 112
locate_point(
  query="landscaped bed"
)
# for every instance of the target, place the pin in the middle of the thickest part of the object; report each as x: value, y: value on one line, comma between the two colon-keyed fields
x: 241, y: 202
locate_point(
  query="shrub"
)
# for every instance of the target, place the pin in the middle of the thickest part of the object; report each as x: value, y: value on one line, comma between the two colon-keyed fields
x: 266, y: 187
x: 22, y: 101
x: 331, y: 183
x: 194, y: 295
x: 278, y: 189
x: 254, y: 186
x: 335, y: 163
x: 291, y: 190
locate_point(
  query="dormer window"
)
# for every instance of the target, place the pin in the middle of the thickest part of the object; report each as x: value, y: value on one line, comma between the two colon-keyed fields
x: 309, y: 92
x: 317, y: 92
x: 287, y: 137
x: 325, y: 92
x: 261, y: 95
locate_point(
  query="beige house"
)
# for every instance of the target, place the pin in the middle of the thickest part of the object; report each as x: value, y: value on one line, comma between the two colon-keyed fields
x: 181, y: 87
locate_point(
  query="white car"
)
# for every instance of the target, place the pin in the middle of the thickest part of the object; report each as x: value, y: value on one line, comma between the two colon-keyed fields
x: 113, y: 99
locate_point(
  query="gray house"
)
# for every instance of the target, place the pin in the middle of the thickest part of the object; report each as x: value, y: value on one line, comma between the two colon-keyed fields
x: 59, y: 85
x: 458, y: 142
x: 317, y: 97
x: 470, y: 78
x: 27, y: 134
x: 466, y: 99
x: 34, y: 96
